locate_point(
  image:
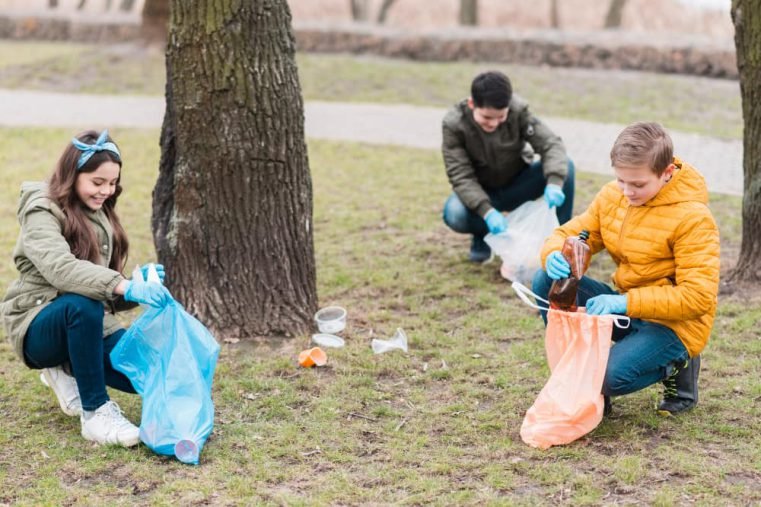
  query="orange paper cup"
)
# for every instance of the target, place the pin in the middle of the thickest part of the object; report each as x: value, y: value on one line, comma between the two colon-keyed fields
x: 313, y: 357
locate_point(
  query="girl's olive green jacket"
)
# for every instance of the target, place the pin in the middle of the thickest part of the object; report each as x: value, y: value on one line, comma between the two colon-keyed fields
x: 48, y: 269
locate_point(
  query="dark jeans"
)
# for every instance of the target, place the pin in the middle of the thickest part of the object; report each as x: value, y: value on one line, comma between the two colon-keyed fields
x: 526, y: 186
x: 70, y: 329
x: 642, y: 354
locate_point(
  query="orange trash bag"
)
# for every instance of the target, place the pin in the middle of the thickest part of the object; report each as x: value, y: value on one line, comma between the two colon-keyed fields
x: 571, y: 403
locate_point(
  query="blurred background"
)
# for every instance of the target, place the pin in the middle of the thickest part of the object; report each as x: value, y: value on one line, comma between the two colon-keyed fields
x: 706, y: 17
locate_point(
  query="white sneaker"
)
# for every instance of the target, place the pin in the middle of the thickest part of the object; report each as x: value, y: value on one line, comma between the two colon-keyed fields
x: 107, y: 425
x: 65, y: 388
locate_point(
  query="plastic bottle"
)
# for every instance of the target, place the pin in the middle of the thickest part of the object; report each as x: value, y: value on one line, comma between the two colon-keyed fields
x: 576, y: 251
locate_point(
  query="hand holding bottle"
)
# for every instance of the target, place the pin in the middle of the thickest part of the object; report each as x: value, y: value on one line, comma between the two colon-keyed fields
x: 557, y: 267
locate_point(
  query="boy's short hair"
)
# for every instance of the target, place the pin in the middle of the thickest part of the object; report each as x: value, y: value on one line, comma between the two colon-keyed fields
x: 643, y: 143
x: 491, y: 89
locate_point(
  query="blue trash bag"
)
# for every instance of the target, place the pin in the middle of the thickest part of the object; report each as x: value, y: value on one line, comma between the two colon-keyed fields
x: 170, y: 357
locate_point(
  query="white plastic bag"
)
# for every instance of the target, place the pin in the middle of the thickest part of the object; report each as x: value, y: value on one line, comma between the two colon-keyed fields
x: 527, y: 228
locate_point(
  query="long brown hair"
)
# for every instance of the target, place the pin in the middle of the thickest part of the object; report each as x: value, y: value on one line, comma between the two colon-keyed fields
x: 77, y: 229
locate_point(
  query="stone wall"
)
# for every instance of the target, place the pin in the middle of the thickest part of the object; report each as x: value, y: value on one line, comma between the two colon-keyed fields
x: 56, y: 28
x: 693, y: 55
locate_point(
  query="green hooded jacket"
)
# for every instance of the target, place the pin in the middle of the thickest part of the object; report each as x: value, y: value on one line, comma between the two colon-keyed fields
x: 48, y: 269
x: 476, y: 160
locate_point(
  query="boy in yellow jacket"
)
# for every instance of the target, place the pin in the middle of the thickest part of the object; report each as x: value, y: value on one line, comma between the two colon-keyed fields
x: 655, y: 223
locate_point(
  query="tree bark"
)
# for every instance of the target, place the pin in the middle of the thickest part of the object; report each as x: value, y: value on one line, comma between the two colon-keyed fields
x: 155, y: 21
x: 232, y: 208
x: 469, y: 12
x: 746, y: 16
x: 615, y: 14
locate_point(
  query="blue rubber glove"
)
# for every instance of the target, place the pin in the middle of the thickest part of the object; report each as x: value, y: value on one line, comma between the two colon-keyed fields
x: 159, y: 271
x: 557, y: 267
x: 605, y: 304
x: 495, y: 221
x: 147, y: 293
x: 554, y: 195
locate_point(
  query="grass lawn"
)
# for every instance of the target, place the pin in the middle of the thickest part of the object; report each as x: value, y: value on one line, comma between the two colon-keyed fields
x: 704, y: 106
x: 439, y: 425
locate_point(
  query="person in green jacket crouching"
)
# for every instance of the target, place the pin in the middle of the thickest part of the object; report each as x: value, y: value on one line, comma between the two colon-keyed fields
x: 70, y: 254
x: 488, y: 143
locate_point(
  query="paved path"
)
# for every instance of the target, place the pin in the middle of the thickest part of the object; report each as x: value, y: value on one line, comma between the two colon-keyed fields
x: 588, y: 143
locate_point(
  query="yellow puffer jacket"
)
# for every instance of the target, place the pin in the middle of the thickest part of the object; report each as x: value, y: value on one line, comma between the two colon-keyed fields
x: 666, y: 252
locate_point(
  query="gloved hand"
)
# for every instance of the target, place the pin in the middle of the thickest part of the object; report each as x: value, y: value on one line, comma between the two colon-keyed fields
x: 554, y: 195
x: 605, y: 304
x: 495, y: 221
x: 159, y: 271
x: 557, y: 267
x: 147, y: 293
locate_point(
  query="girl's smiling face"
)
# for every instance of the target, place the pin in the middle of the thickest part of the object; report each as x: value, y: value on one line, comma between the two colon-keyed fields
x: 95, y: 187
x: 640, y: 183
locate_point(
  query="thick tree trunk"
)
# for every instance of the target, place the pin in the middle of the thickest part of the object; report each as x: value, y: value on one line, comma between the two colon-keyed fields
x: 615, y: 14
x: 469, y: 12
x: 746, y: 16
x: 155, y: 21
x: 232, y: 209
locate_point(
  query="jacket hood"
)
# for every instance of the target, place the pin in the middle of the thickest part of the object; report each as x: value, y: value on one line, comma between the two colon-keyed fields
x: 686, y: 185
x: 33, y: 193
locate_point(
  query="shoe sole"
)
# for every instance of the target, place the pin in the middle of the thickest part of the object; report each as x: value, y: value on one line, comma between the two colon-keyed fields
x: 66, y: 410
x: 127, y: 443
x: 666, y: 413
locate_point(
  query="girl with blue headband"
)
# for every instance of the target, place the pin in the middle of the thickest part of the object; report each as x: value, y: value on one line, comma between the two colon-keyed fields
x: 70, y: 254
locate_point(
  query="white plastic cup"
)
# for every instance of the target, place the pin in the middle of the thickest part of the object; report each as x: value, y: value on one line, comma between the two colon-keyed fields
x: 331, y: 319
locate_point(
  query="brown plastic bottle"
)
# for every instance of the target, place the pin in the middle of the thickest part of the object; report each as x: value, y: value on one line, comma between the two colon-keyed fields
x: 578, y: 254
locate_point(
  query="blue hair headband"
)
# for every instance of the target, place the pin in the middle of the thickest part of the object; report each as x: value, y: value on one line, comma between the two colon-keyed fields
x: 88, y: 150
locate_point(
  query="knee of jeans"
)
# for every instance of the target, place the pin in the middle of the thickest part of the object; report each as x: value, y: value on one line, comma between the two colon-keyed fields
x: 88, y: 309
x: 571, y: 168
x: 456, y: 214
x: 541, y: 283
x: 617, y: 381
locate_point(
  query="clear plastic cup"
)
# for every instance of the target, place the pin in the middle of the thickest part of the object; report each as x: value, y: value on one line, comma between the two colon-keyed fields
x: 331, y: 319
x: 186, y: 451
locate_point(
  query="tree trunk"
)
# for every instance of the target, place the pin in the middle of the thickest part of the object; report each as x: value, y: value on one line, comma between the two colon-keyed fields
x: 232, y: 208
x: 127, y: 5
x: 554, y: 14
x: 383, y: 11
x: 360, y: 10
x: 155, y: 21
x: 469, y: 12
x: 746, y: 16
x: 615, y: 14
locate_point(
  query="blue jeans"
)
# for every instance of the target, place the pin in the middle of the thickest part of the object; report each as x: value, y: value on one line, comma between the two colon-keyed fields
x: 526, y: 186
x: 642, y: 354
x: 70, y: 329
